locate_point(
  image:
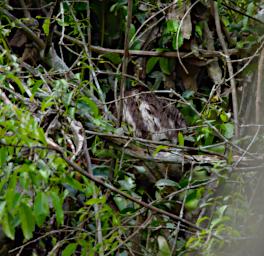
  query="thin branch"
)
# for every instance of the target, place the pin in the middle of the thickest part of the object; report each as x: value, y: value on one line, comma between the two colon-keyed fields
x: 172, y: 54
x: 229, y: 66
x: 178, y: 34
x: 125, y: 59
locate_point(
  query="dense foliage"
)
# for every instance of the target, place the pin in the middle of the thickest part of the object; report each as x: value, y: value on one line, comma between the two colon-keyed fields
x: 74, y: 179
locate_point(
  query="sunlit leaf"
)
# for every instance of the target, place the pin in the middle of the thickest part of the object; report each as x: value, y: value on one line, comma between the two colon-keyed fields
x: 69, y: 250
x: 46, y: 26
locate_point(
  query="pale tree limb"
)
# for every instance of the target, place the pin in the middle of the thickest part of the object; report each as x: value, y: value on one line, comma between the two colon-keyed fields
x: 259, y: 85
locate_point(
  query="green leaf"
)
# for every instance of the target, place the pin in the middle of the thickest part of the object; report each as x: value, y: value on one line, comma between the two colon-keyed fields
x: 91, y: 105
x: 176, y: 45
x: 57, y: 202
x: 69, y: 250
x: 46, y: 26
x: 151, y: 64
x: 93, y: 201
x: 164, y: 249
x: 172, y: 26
x: 27, y: 220
x: 164, y: 65
x: 192, y: 204
x: 227, y: 130
x: 17, y: 81
x: 12, y: 199
x: 3, y: 156
x: 166, y: 183
x: 225, y: 116
x: 199, y: 30
x: 218, y: 149
x: 8, y: 226
x: 180, y: 139
x: 158, y: 149
x: 41, y: 207
x: 113, y: 57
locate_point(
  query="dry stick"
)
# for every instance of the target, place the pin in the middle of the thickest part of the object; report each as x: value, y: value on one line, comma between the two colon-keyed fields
x: 259, y: 83
x: 247, y: 149
x: 152, y: 142
x: 178, y: 34
x: 229, y: 66
x: 102, y: 50
x: 125, y: 59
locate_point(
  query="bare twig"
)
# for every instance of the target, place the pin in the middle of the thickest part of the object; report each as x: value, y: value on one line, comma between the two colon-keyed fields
x: 178, y: 34
x: 202, y: 52
x: 125, y: 59
x: 229, y: 66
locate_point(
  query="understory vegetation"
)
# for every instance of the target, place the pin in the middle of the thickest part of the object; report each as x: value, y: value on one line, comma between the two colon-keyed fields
x: 82, y: 172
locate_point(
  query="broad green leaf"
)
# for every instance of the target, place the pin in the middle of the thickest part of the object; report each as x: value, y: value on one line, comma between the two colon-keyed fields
x: 218, y: 149
x: 164, y: 249
x: 180, y: 139
x: 227, y: 130
x: 57, y: 202
x: 127, y: 184
x: 69, y: 250
x: 192, y: 204
x: 172, y: 26
x: 113, y: 57
x: 12, y: 199
x: 75, y: 184
x: 3, y: 156
x: 27, y: 220
x: 8, y: 226
x: 17, y: 81
x: 93, y: 201
x: 199, y: 30
x: 41, y: 207
x: 91, y: 105
x: 164, y: 65
x: 176, y: 45
x: 151, y: 63
x: 225, y: 116
x: 166, y: 183
x: 158, y: 149
x: 46, y: 26
x: 2, y: 209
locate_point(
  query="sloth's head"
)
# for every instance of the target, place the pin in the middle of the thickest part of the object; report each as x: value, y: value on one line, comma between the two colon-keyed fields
x: 152, y: 117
